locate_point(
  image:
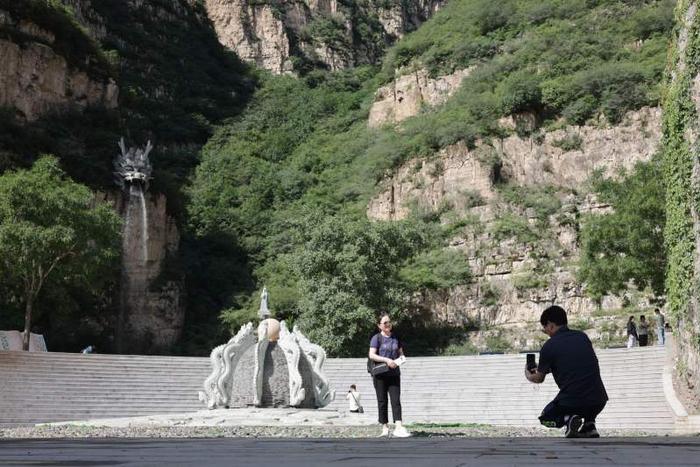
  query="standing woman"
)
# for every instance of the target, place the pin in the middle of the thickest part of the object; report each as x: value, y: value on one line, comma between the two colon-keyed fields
x: 643, y: 331
x: 631, y: 333
x: 385, y: 347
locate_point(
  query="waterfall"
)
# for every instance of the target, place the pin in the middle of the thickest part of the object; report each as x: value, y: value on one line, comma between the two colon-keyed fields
x: 128, y: 222
x: 132, y: 170
x: 135, y: 239
x: 144, y: 226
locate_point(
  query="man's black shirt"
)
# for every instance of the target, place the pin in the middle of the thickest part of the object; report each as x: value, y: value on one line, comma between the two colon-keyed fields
x: 570, y: 357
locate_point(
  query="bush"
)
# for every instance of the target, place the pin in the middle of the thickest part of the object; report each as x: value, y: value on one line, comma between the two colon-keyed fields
x: 509, y: 225
x: 580, y: 110
x: 521, y: 92
x: 498, y: 343
x: 472, y: 198
x: 491, y: 16
x: 528, y: 281
x: 569, y: 142
x: 490, y: 294
x: 543, y: 200
x: 436, y: 269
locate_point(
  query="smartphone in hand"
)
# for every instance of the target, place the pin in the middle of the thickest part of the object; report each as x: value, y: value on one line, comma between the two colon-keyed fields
x: 531, y: 363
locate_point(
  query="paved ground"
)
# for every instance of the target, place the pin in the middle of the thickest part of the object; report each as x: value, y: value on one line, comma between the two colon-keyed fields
x: 249, y: 416
x: 352, y: 452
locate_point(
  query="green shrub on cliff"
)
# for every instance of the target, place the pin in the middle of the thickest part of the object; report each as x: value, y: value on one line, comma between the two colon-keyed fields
x: 557, y: 56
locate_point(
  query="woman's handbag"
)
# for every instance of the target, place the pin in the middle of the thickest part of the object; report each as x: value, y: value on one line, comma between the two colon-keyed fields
x: 376, y: 368
x: 360, y: 409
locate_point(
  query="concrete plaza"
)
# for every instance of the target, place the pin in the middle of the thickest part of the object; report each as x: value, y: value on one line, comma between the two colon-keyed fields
x: 652, y: 451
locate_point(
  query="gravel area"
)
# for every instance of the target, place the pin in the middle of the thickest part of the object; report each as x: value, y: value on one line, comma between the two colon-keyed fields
x: 418, y: 430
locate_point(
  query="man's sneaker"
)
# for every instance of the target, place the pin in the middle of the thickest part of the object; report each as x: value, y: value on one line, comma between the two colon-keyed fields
x: 572, y: 426
x: 401, y: 432
x: 385, y: 432
x: 588, y: 430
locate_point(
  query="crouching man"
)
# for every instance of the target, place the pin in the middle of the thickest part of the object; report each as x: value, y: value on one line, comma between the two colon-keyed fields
x: 570, y: 357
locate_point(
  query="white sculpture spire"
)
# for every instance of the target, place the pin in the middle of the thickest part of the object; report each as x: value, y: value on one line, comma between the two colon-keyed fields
x: 264, y: 312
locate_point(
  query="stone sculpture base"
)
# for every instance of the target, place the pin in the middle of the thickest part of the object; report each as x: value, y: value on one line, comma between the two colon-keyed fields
x: 12, y: 340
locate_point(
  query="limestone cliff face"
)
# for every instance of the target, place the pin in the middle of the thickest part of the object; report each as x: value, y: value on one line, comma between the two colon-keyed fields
x: 513, y: 280
x: 407, y: 94
x: 34, y: 79
x: 279, y: 35
x: 255, y: 32
x: 522, y: 161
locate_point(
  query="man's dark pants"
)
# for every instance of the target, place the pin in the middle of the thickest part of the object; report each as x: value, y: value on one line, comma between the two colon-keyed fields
x: 553, y: 414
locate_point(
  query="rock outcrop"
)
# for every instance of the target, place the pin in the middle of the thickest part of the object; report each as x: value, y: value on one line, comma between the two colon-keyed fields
x: 513, y: 279
x: 152, y: 290
x: 406, y: 95
x: 34, y: 79
x: 522, y: 161
x: 279, y: 35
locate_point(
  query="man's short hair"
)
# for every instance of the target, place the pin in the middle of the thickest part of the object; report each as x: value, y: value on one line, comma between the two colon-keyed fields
x: 554, y: 314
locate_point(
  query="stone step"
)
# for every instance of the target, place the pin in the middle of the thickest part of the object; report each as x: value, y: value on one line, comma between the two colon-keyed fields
x: 472, y: 389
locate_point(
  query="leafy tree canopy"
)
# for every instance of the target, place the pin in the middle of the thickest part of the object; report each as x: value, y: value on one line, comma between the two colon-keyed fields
x: 626, y: 244
x: 52, y: 230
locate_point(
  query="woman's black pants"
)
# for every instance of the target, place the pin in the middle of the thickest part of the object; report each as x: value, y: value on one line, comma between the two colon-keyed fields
x: 385, y: 386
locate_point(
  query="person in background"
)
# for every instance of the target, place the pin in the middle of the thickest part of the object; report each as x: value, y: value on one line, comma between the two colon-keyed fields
x: 660, y: 322
x: 631, y: 333
x: 353, y: 397
x: 643, y: 331
x: 385, y: 347
x: 570, y: 357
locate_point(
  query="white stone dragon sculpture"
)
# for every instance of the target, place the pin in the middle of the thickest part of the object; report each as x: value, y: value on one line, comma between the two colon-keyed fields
x: 224, y: 359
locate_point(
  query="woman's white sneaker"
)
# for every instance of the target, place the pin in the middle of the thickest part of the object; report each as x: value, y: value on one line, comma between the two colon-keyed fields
x: 401, y: 432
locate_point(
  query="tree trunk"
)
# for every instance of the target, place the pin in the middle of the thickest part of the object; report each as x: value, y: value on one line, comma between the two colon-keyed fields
x: 27, y: 321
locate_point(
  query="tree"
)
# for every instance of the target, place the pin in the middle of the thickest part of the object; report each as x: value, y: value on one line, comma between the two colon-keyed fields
x: 51, y: 228
x: 627, y: 244
x: 348, y: 274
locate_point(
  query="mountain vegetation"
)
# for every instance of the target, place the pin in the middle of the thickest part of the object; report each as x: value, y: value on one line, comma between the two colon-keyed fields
x: 302, y: 153
x: 270, y: 176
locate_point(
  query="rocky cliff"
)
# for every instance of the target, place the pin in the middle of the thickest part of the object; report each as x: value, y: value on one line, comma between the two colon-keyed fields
x: 36, y: 79
x: 284, y: 36
x: 409, y: 93
x: 564, y: 158
x: 520, y: 259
